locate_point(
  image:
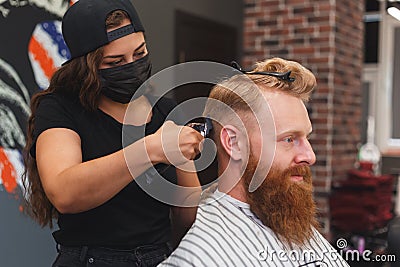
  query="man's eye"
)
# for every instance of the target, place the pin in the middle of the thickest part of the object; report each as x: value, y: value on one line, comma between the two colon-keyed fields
x: 289, y: 139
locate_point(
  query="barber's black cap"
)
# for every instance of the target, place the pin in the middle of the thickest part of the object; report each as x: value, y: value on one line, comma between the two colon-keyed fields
x: 84, y: 24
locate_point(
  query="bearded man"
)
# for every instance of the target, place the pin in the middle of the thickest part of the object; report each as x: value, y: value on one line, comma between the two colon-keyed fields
x: 262, y: 213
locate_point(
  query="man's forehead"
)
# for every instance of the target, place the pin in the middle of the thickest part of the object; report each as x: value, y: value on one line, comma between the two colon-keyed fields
x: 271, y: 94
x: 277, y: 98
x: 289, y: 112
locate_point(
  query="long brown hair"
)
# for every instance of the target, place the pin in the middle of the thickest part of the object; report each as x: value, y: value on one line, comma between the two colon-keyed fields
x: 77, y: 78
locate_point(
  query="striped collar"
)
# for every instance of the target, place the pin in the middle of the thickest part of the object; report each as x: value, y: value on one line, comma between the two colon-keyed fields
x: 242, y: 206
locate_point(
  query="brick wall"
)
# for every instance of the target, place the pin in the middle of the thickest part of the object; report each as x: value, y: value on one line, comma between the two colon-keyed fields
x: 326, y: 36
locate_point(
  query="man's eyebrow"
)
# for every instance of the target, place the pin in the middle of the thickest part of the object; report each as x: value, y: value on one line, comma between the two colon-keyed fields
x: 287, y: 132
x: 118, y: 56
x: 293, y: 132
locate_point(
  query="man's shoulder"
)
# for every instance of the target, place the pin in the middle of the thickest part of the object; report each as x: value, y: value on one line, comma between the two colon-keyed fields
x: 218, y: 237
x: 193, y: 250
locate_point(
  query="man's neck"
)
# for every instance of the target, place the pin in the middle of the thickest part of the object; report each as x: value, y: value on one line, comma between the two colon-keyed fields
x: 232, y: 186
x: 239, y: 193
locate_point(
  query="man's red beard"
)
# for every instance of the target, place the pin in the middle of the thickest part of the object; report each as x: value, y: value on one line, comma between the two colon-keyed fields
x: 285, y: 206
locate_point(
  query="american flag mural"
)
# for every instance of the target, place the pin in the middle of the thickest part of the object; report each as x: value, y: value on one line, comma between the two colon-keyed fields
x: 32, y: 48
x: 47, y: 51
x: 35, y: 57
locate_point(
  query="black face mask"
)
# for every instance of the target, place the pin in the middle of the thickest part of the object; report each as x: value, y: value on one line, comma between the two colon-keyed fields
x: 121, y: 83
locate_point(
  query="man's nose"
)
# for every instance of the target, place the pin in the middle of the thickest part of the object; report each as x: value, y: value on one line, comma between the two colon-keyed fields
x: 305, y: 154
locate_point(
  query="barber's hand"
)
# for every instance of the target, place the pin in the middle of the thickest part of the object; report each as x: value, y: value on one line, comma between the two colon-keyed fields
x: 177, y: 144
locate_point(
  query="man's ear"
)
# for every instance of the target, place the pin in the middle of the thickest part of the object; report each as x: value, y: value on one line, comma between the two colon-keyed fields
x: 231, y: 141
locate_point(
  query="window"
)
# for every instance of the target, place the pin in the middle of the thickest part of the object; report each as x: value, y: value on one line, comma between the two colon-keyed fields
x: 372, y: 6
x: 395, y: 133
x: 371, y: 33
x: 388, y: 92
x: 371, y: 37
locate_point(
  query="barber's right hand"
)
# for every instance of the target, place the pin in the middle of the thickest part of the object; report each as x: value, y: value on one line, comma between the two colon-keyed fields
x: 175, y: 144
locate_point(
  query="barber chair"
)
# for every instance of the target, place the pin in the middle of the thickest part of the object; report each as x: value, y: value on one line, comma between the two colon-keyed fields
x: 393, y: 240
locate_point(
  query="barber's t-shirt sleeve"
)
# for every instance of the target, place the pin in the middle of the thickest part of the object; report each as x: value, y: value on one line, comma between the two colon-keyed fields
x: 52, y: 112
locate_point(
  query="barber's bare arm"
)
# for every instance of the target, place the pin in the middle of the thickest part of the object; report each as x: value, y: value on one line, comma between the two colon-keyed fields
x: 74, y: 186
x: 189, y: 198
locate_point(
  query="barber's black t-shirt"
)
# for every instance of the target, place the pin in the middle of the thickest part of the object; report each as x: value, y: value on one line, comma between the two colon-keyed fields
x: 131, y: 218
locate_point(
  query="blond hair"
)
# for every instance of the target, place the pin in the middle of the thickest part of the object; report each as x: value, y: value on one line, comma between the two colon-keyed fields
x: 241, y: 94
